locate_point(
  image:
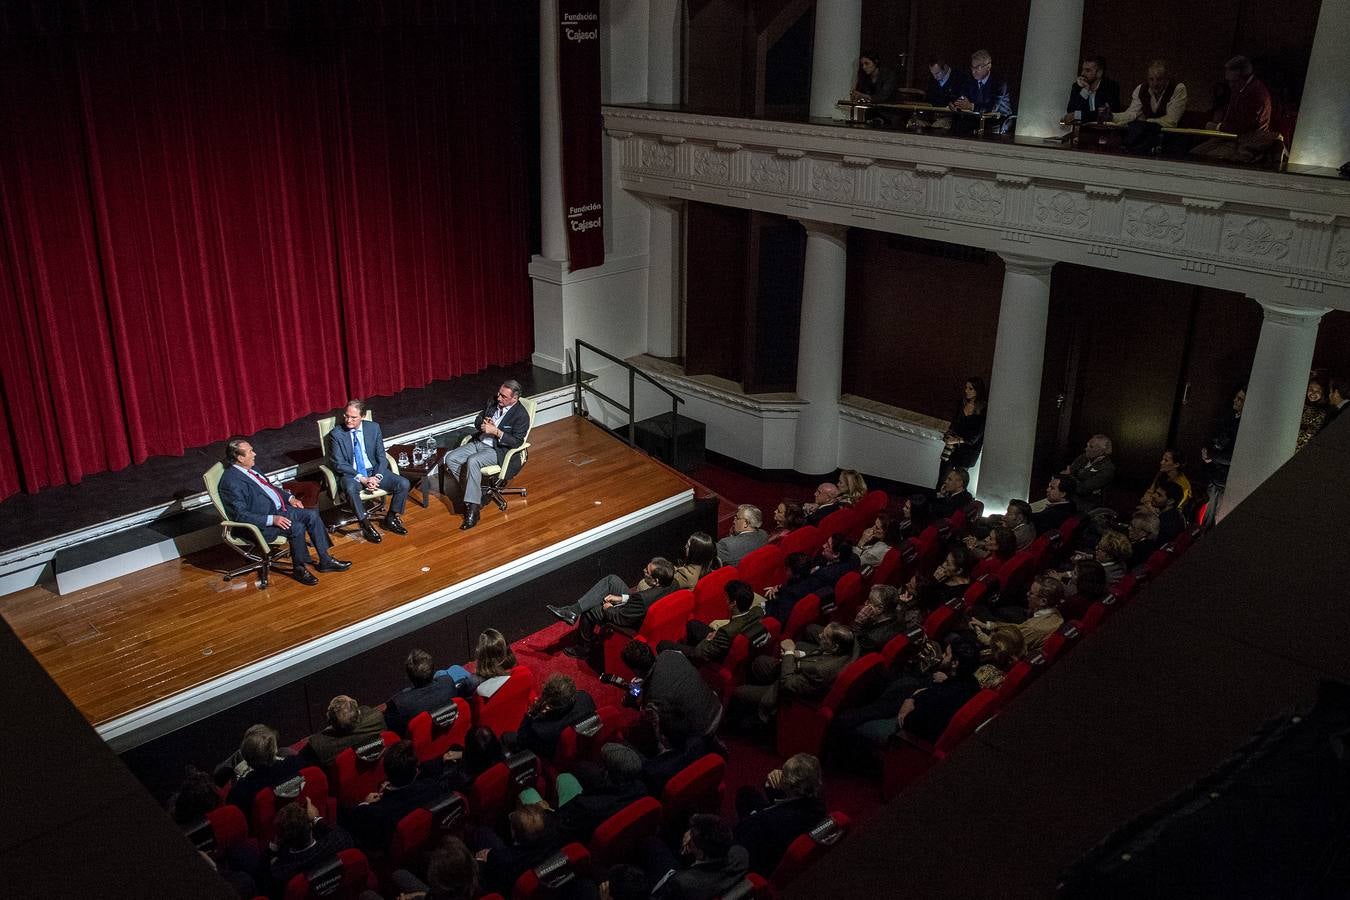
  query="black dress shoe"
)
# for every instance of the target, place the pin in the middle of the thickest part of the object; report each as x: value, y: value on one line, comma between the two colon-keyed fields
x: 333, y: 565
x: 394, y: 524
x: 370, y: 532
x: 578, y: 651
x: 304, y: 575
x: 470, y: 516
x: 568, y: 614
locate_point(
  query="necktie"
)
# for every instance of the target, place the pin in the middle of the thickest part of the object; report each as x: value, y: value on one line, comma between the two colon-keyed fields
x: 266, y: 486
x: 357, y: 454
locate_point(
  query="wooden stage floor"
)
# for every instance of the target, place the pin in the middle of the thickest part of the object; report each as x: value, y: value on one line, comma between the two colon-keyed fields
x: 125, y: 644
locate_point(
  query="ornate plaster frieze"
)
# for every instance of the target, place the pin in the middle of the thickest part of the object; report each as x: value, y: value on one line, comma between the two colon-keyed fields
x: 1267, y: 234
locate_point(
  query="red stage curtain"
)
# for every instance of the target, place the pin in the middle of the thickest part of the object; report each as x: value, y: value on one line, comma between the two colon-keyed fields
x: 215, y: 222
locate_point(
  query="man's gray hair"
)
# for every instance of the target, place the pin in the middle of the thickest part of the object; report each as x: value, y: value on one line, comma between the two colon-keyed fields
x: 801, y: 776
x: 750, y: 515
x: 513, y: 386
x: 621, y: 762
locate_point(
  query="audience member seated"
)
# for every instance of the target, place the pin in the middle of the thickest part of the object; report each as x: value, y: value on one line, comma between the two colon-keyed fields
x: 1217, y: 454
x: 835, y: 559
x: 1315, y: 411
x: 672, y: 688
x: 1143, y: 536
x: 424, y: 694
x: 610, y: 602
x: 943, y: 86
x: 1093, y: 471
x: 982, y: 91
x: 1338, y: 395
x: 1157, y: 100
x: 303, y: 840
x: 1170, y: 469
x: 675, y: 749
x: 825, y: 502
x: 452, y: 874
x: 789, y: 805
x: 493, y: 662
x: 533, y: 840
x: 1085, y: 586
x: 349, y: 725
x: 878, y: 619
x: 373, y: 820
x: 952, y: 495
x: 1043, y: 616
x: 807, y: 676
x: 788, y: 516
x: 241, y: 864
x: 1249, y: 106
x: 1059, y: 507
x: 1006, y: 646
x: 950, y: 580
x: 559, y: 705
x: 700, y: 558
x: 264, y: 767
x: 876, y: 541
x: 1018, y: 518
x: 852, y: 486
x: 1000, y: 543
x: 626, y: 882
x: 710, y: 862
x: 482, y: 750
x: 1113, y: 552
x: 951, y: 679
x: 1092, y: 95
x: 709, y: 642
x: 874, y: 83
x: 1167, y: 503
x: 916, y: 514
x: 604, y: 790
x: 747, y: 534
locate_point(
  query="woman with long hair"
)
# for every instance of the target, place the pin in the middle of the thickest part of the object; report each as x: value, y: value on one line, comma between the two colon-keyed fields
x: 965, y: 434
x: 788, y: 517
x: 700, y: 558
x: 493, y: 662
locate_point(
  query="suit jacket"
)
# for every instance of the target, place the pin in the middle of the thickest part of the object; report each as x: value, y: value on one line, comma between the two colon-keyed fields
x: 715, y: 647
x: 340, y: 450
x: 1053, y: 516
x: 935, y: 705
x: 811, y: 676
x: 820, y: 582
x: 246, y: 501
x: 878, y: 633
x: 1108, y: 94
x: 943, y: 94
x: 245, y: 789
x: 513, y: 425
x: 675, y: 685
x: 821, y: 512
x: 707, y: 879
x: 373, y: 824
x: 1093, y: 477
x: 993, y: 97
x: 731, y: 548
x: 943, y: 507
x: 540, y: 733
x: 881, y: 86
x: 400, y: 709
x: 630, y: 613
x: 324, y: 746
x: 579, y: 818
x: 766, y: 834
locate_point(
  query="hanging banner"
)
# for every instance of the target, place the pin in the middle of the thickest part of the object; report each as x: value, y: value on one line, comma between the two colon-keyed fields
x: 581, y: 131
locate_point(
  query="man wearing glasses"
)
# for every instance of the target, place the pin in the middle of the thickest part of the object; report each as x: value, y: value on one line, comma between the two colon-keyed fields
x: 498, y: 428
x: 356, y: 451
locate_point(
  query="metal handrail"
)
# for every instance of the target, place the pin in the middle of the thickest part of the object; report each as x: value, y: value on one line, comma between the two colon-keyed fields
x: 633, y: 372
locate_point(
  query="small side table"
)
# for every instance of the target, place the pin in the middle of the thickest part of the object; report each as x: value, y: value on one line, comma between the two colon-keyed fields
x: 417, y: 475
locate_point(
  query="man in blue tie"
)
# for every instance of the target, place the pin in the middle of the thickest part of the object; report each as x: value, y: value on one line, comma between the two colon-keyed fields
x: 356, y: 452
x: 249, y: 497
x: 984, y: 92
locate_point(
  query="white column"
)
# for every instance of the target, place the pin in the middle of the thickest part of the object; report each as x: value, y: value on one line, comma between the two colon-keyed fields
x: 834, y: 55
x: 1049, y: 66
x: 552, y: 222
x: 665, y: 273
x: 820, y: 347
x: 1322, y: 135
x: 664, y: 51
x: 1015, y: 383
x: 1275, y: 395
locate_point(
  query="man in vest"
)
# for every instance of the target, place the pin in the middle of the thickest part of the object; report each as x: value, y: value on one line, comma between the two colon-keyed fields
x: 1158, y: 100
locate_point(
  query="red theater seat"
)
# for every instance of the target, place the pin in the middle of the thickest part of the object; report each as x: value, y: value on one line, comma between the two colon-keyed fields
x: 710, y: 595
x: 342, y: 878
x: 695, y: 788
x: 807, y: 849
x: 664, y: 621
x: 848, y: 597
x: 357, y: 771
x: 266, y: 803
x: 805, y: 612
x: 617, y: 838
x: 503, y: 711
x: 909, y: 757
x: 802, y: 725
x: 806, y: 539
x: 553, y: 874
x: 763, y: 567
x: 433, y: 733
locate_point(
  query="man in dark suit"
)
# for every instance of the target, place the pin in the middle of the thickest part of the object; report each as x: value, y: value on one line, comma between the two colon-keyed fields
x: 1092, y: 95
x: 825, y: 502
x: 943, y: 84
x: 500, y: 427
x: 1059, y: 507
x: 356, y: 452
x: 953, y: 494
x: 836, y: 558
x: 713, y: 863
x: 250, y: 498
x: 611, y: 601
x: 604, y: 793
x: 560, y: 705
x: 708, y: 645
x: 425, y: 693
x: 788, y: 807
x: 1337, y: 397
x: 803, y: 674
x: 673, y: 689
x: 373, y: 820
x: 983, y: 92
